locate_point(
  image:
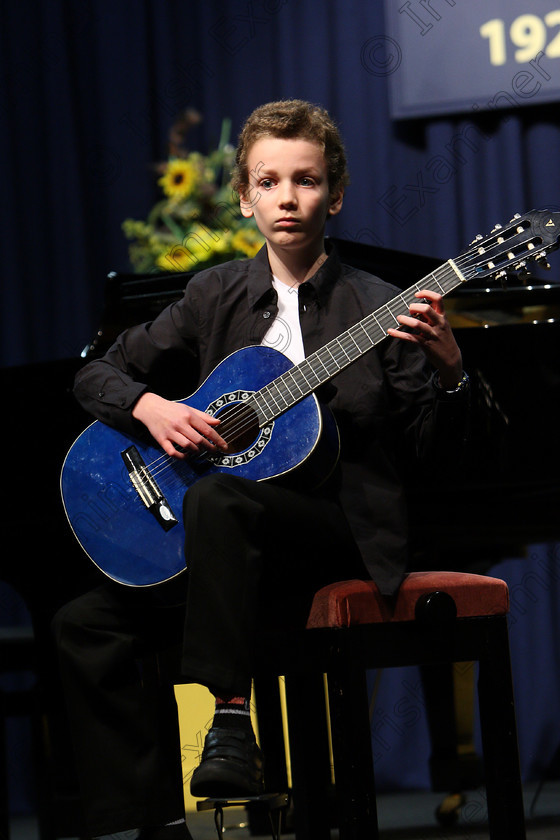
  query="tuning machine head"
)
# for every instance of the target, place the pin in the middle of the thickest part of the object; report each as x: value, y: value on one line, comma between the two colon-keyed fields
x: 542, y: 260
x: 502, y: 277
x: 522, y: 271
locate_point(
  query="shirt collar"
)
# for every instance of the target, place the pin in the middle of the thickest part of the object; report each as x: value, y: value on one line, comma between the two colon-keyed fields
x: 259, y: 284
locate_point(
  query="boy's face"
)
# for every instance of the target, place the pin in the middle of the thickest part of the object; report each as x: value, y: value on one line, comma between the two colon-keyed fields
x: 289, y: 192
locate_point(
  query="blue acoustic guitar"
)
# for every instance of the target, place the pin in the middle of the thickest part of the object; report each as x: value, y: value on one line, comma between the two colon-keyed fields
x: 123, y: 497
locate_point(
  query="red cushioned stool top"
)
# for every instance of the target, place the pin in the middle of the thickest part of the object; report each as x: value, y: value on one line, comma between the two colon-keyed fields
x: 353, y: 602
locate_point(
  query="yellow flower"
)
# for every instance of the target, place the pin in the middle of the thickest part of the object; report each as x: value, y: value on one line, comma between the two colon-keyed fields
x: 199, y: 245
x: 180, y: 178
x: 248, y: 241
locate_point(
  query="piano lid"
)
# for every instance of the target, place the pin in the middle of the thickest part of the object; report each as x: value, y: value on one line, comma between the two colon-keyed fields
x: 135, y: 298
x: 535, y: 300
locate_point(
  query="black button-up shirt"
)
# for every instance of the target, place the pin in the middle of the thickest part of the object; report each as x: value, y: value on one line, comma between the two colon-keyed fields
x: 388, y: 413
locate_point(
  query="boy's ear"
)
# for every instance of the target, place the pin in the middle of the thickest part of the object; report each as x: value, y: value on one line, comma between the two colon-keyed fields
x: 246, y: 203
x: 336, y: 204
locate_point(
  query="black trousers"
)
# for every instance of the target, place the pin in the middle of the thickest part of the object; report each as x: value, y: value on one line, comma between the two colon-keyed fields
x: 256, y: 553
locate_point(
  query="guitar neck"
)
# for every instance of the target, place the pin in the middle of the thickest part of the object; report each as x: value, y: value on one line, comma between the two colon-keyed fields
x: 304, y: 378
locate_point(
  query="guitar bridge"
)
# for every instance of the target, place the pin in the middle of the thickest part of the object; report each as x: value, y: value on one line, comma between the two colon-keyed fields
x: 148, y: 490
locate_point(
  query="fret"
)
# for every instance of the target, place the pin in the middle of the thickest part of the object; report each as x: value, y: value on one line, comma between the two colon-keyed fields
x: 307, y: 366
x: 378, y: 324
x: 356, y: 343
x: 303, y: 384
x: 340, y: 343
x: 273, y: 391
x: 398, y: 303
x: 315, y: 360
x: 291, y: 375
x: 290, y: 395
x: 441, y: 289
x: 411, y: 295
x: 349, y: 347
x: 301, y: 380
x: 261, y: 407
x: 386, y: 319
x: 276, y: 395
x: 328, y: 349
x: 324, y: 362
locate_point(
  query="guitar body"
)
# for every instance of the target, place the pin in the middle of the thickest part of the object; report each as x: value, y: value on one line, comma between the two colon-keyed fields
x: 122, y: 535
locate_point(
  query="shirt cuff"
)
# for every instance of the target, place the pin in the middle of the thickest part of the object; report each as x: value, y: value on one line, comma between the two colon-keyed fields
x: 462, y: 387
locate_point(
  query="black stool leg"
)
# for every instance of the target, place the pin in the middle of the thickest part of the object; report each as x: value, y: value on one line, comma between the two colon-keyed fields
x: 352, y: 750
x: 309, y: 755
x: 271, y: 736
x: 499, y: 736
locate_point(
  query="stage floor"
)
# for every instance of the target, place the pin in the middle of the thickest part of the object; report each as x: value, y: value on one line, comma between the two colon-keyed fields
x: 402, y: 816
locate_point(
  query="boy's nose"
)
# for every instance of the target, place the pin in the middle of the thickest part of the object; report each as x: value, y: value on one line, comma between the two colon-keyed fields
x: 287, y: 195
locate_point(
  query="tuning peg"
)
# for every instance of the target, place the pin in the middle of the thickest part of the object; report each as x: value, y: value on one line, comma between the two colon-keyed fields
x: 477, y: 238
x: 495, y: 228
x: 515, y: 216
x: 542, y: 261
x: 501, y: 276
x: 523, y: 271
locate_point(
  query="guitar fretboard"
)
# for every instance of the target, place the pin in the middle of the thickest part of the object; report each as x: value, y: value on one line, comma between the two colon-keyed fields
x: 304, y: 378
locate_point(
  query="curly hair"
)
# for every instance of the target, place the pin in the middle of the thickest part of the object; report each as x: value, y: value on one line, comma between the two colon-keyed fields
x: 290, y: 119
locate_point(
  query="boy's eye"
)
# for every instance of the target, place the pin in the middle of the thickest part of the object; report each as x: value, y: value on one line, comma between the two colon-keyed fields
x: 306, y: 181
x: 267, y: 183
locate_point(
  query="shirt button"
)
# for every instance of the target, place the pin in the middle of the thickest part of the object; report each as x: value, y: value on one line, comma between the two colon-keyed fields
x: 101, y: 394
x: 266, y: 314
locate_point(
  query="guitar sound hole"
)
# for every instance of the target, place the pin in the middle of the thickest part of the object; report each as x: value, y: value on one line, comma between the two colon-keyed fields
x: 239, y: 427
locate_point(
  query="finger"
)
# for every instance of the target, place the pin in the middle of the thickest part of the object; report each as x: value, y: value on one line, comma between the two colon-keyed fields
x: 209, y: 437
x: 404, y: 336
x: 191, y: 440
x: 420, y: 328
x: 177, y: 449
x: 436, y: 299
x: 180, y: 442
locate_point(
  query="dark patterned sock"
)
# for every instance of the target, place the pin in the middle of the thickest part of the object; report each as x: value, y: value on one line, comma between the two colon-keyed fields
x: 233, y: 712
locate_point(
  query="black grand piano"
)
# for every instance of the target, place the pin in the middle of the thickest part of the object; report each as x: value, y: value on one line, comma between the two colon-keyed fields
x: 504, y: 495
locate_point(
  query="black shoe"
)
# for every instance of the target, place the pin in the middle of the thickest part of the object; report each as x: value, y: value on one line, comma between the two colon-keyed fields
x: 231, y: 766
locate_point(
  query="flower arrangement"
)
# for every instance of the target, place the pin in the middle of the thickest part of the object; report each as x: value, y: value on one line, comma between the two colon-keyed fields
x: 198, y: 222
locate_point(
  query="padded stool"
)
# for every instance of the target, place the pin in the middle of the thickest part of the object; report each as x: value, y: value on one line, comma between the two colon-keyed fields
x: 436, y: 617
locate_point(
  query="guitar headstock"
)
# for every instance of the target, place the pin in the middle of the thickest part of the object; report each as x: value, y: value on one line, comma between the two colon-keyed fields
x: 509, y: 248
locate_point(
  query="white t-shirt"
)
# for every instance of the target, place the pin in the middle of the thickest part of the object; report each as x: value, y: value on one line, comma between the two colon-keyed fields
x: 284, y: 334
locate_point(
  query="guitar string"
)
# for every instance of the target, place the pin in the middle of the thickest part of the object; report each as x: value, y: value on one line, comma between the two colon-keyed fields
x: 245, y: 415
x: 240, y: 421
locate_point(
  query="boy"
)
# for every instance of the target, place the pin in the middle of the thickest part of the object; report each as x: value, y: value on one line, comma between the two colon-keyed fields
x: 245, y: 540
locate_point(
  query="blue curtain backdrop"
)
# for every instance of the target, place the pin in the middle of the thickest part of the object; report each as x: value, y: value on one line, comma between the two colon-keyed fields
x: 89, y: 91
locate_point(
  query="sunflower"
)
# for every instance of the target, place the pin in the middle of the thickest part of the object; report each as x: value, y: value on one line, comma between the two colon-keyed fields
x: 195, y: 223
x: 247, y: 241
x: 200, y: 245
x: 179, y: 179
